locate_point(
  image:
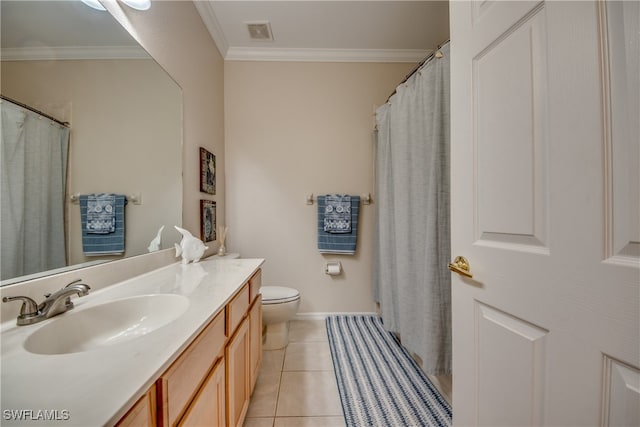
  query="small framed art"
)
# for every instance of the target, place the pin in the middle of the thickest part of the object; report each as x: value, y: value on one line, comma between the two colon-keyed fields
x: 207, y: 171
x: 207, y: 220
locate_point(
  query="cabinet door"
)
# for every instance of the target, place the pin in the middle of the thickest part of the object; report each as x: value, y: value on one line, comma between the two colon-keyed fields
x: 143, y: 413
x: 237, y: 357
x: 255, y: 338
x: 208, y: 408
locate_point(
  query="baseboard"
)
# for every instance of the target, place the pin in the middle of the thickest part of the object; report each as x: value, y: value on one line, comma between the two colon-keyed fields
x: 322, y: 316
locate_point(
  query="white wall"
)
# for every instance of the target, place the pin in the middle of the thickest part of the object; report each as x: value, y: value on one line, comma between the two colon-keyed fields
x: 293, y: 129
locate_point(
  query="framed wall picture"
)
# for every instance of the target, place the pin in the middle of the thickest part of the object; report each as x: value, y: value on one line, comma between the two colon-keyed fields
x: 207, y: 220
x: 207, y: 171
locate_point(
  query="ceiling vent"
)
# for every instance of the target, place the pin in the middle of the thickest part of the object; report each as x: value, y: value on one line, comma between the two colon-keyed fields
x: 260, y: 31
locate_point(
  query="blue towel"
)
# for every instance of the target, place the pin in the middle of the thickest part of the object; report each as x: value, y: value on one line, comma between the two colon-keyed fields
x: 337, y: 214
x: 104, y: 243
x: 101, y: 213
x: 338, y: 243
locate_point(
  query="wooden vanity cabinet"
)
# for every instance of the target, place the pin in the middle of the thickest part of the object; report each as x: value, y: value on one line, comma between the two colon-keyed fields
x: 143, y: 413
x: 255, y: 283
x: 244, y: 352
x: 211, y: 382
x: 255, y: 341
x: 237, y: 309
x: 208, y: 407
x: 179, y: 385
x: 238, y: 392
x: 255, y: 326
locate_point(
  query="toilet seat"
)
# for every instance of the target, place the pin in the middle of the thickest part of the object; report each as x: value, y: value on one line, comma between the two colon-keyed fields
x: 278, y: 295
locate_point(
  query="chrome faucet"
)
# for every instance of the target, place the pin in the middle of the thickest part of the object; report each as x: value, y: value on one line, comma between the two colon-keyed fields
x: 54, y: 304
x: 60, y: 301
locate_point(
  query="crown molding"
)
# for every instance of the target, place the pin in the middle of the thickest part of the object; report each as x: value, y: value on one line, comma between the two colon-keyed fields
x: 230, y: 53
x: 69, y: 53
x: 325, y: 55
x: 205, y: 9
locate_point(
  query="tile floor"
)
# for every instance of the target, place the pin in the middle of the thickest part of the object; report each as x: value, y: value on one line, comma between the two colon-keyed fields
x: 296, y: 386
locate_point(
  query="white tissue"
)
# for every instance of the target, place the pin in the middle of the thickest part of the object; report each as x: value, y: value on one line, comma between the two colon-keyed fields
x: 333, y: 268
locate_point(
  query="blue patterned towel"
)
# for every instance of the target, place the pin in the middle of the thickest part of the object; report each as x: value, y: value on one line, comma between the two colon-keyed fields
x: 101, y: 213
x: 337, y: 214
x: 338, y: 243
x: 104, y: 243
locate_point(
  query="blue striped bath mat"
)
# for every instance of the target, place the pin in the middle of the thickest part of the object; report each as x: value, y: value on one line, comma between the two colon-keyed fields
x: 379, y: 382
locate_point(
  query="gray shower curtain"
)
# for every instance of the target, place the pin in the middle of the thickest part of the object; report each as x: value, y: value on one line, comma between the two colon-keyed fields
x: 33, y: 166
x: 412, y: 246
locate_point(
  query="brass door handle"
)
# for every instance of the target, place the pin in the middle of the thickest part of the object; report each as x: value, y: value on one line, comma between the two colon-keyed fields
x: 461, y: 266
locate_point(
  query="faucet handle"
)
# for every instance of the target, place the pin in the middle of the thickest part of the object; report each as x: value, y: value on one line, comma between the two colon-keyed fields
x: 78, y: 282
x: 29, y: 306
x: 74, y: 282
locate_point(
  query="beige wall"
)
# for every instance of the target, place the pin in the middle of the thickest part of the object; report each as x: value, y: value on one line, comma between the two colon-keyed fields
x: 174, y: 34
x: 293, y: 129
x: 176, y: 37
x: 126, y: 138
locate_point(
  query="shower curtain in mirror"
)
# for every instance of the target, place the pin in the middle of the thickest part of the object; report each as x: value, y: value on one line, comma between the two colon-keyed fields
x: 34, y: 166
x: 412, y: 245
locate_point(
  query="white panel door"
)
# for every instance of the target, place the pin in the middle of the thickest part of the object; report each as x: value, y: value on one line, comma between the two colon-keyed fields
x: 545, y: 208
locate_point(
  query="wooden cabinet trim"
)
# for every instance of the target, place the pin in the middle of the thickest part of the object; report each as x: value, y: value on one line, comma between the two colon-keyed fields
x: 255, y: 341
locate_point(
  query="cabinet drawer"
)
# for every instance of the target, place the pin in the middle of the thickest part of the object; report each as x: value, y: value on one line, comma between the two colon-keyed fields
x: 180, y: 382
x: 254, y: 285
x: 237, y: 309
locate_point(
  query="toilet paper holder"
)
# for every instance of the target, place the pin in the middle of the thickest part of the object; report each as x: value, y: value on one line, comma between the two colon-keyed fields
x: 333, y: 268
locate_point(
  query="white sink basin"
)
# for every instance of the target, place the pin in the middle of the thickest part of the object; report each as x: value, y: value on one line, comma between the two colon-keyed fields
x: 106, y: 324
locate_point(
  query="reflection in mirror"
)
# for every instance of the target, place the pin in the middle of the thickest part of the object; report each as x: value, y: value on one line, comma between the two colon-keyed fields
x: 125, y: 127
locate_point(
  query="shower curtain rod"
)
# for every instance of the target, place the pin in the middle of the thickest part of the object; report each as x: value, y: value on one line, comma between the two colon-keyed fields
x: 20, y: 104
x: 417, y: 67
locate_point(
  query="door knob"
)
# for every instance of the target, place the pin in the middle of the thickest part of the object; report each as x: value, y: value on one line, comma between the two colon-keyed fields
x: 461, y: 266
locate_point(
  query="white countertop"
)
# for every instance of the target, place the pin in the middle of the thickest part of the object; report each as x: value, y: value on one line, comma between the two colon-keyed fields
x: 97, y: 387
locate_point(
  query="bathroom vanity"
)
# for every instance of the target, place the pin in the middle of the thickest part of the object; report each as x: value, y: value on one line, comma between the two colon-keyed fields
x: 180, y: 345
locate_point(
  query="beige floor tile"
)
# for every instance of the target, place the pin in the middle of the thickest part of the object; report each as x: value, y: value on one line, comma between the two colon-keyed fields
x: 307, y: 330
x: 265, y: 395
x: 309, y: 422
x: 444, y: 384
x: 258, y: 422
x: 313, y: 393
x: 272, y: 360
x: 308, y: 356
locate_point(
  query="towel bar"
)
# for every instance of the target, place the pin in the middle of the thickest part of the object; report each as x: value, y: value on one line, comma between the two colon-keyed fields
x: 136, y: 198
x: 365, y: 199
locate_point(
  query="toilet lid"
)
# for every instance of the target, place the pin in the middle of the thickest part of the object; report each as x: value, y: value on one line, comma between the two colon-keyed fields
x: 278, y: 294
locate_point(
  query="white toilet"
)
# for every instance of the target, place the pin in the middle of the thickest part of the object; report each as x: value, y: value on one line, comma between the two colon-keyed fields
x: 279, y: 305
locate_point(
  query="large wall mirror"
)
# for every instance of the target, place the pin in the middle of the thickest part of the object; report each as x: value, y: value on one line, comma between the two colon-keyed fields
x: 124, y: 112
